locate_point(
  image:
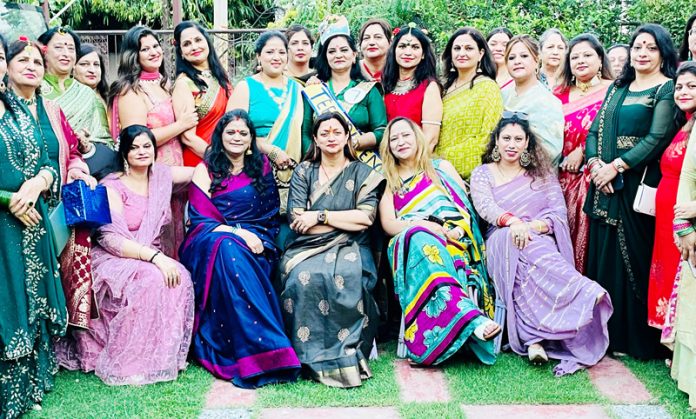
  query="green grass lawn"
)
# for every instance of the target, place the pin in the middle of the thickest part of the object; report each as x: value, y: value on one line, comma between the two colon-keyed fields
x: 510, y: 381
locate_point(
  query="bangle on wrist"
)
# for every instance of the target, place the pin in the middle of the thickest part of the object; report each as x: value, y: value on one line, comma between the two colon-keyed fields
x: 5, y: 198
x: 154, y: 256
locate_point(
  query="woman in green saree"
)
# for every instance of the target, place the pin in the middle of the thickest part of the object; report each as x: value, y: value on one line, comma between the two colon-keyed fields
x: 32, y: 306
x: 633, y: 127
x: 327, y: 271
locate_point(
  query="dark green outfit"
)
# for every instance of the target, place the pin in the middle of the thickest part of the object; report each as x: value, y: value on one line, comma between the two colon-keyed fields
x: 368, y: 114
x: 636, y: 126
x: 32, y: 306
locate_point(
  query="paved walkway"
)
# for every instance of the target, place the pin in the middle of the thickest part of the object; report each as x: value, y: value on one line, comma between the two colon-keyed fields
x: 629, y: 398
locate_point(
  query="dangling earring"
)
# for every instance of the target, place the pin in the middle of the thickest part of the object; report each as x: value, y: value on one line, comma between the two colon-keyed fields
x: 3, y: 87
x: 478, y: 67
x: 248, y: 152
x: 525, y: 158
x: 126, y: 167
x: 453, y: 70
x: 495, y: 154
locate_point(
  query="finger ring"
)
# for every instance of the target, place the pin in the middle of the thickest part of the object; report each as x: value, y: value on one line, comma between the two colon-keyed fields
x: 31, y: 204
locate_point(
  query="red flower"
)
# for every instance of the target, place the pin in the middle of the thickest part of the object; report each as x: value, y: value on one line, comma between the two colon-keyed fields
x: 23, y: 38
x: 396, y: 31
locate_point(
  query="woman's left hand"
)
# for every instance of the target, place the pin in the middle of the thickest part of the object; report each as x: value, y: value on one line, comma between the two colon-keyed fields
x: 76, y: 174
x: 303, y: 222
x: 685, y: 211
x: 520, y: 234
x: 573, y: 161
x: 25, y: 199
x: 603, y: 176
x: 455, y: 233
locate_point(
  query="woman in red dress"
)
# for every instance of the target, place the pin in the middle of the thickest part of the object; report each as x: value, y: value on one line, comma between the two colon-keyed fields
x: 666, y: 256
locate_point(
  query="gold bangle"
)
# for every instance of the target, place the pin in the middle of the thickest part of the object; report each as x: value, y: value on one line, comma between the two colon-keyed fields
x: 326, y: 217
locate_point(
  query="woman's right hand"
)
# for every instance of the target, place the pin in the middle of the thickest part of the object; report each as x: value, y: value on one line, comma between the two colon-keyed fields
x: 169, y: 268
x: 519, y: 232
x: 251, y: 240
x: 23, y: 201
x: 282, y: 160
x: 434, y: 227
x: 573, y: 161
x: 687, y: 247
x: 188, y: 120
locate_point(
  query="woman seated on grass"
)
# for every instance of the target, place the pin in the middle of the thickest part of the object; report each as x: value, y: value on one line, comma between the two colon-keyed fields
x: 437, y: 252
x: 552, y: 310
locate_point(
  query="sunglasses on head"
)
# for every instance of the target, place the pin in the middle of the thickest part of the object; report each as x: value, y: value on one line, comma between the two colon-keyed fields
x: 518, y: 115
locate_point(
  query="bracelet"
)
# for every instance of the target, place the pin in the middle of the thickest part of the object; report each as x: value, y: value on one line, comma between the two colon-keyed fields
x: 42, y: 174
x: 5, y: 198
x: 504, y: 219
x: 273, y: 155
x: 154, y: 256
x: 236, y: 228
x: 685, y: 232
x: 326, y: 217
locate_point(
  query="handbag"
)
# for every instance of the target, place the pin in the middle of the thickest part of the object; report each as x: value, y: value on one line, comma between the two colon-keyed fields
x: 85, y: 207
x: 59, y: 228
x: 644, y: 202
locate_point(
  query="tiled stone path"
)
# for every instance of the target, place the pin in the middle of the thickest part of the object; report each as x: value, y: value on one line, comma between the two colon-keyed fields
x: 629, y: 398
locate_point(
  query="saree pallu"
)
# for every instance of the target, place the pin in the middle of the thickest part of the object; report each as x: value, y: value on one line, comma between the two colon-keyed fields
x: 666, y: 257
x: 238, y: 329
x: 210, y: 104
x: 76, y: 259
x: 636, y: 126
x: 143, y: 332
x: 547, y: 300
x: 327, y: 279
x: 32, y: 306
x: 578, y: 119
x: 441, y: 282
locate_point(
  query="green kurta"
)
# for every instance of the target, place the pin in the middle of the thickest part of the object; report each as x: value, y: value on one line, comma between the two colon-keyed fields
x: 636, y: 126
x: 32, y: 306
x: 368, y: 115
x: 82, y: 107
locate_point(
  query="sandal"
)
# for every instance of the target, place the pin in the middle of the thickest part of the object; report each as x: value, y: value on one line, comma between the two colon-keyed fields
x: 480, y: 331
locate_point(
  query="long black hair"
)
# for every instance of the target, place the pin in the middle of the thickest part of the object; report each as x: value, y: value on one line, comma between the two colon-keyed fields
x: 183, y: 66
x: 126, y: 138
x: 129, y: 68
x: 103, y: 85
x: 684, y: 48
x: 314, y: 153
x: 487, y: 65
x: 567, y: 75
x: 46, y: 37
x: 667, y: 53
x: 540, y: 165
x: 321, y: 65
x: 684, y: 68
x: 3, y: 92
x: 426, y: 69
x: 219, y: 165
x: 498, y: 30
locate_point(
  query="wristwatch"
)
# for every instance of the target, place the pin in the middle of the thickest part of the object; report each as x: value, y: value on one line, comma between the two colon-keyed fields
x: 619, y: 166
x: 321, y: 217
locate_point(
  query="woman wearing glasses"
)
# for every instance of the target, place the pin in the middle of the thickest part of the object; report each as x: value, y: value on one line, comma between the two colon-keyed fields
x: 687, y: 50
x: 632, y: 129
x: 552, y: 310
x: 530, y: 96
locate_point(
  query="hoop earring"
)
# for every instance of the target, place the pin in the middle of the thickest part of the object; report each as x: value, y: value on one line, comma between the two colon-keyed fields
x: 525, y: 158
x: 126, y: 167
x: 495, y: 154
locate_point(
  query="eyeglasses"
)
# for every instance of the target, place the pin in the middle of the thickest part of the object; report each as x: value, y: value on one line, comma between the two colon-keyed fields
x: 518, y: 115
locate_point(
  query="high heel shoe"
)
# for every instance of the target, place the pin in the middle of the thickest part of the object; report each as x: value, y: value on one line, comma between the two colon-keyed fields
x: 537, y: 354
x: 480, y: 331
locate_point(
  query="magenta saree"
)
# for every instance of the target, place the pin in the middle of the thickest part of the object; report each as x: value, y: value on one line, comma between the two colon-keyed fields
x: 579, y: 115
x: 547, y: 300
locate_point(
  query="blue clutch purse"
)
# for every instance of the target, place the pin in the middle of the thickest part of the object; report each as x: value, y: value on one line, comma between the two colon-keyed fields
x: 85, y: 207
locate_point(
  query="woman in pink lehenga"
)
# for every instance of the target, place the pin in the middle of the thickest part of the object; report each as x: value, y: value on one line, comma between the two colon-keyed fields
x: 145, y: 298
x: 141, y: 96
x: 586, y: 77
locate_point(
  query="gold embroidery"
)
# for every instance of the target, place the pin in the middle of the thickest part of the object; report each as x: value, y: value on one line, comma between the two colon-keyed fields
x: 623, y: 142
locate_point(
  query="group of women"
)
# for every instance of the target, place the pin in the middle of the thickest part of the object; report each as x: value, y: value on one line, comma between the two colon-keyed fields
x: 243, y: 218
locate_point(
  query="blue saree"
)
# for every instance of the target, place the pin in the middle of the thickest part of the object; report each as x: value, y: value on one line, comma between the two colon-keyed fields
x: 238, y: 330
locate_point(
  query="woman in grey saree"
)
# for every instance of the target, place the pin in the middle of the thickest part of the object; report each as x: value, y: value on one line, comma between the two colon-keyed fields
x: 327, y: 271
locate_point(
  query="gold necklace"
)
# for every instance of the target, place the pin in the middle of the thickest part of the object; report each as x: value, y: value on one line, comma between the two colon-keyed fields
x: 584, y: 87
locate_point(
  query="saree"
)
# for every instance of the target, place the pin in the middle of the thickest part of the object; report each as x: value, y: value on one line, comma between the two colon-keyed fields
x: 441, y: 282
x: 210, y: 104
x: 143, y: 332
x: 545, y: 115
x: 32, y: 307
x: 238, y: 328
x: 666, y: 256
x: 75, y: 260
x: 83, y: 108
x: 579, y: 115
x: 469, y: 115
x: 636, y: 126
x: 547, y: 300
x: 327, y: 279
x: 684, y: 333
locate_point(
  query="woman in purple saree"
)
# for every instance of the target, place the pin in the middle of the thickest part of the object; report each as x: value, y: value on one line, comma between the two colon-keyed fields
x: 230, y: 251
x: 552, y: 310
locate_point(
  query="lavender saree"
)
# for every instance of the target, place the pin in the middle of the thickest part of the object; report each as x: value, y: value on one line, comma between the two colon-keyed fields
x: 547, y: 300
x: 238, y: 329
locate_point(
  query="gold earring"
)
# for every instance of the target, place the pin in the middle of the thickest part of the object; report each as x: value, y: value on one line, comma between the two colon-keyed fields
x: 126, y: 167
x: 248, y: 152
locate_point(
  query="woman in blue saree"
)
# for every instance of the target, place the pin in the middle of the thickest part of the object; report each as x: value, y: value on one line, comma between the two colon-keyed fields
x: 327, y: 272
x: 230, y: 251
